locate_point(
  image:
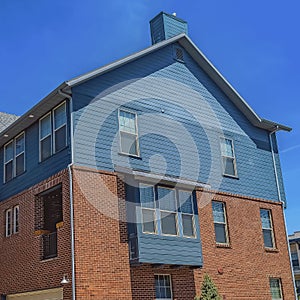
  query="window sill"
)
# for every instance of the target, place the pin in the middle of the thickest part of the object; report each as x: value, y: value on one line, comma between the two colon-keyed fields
x: 49, y: 259
x: 231, y: 176
x: 272, y: 250
x: 220, y: 245
x: 130, y: 155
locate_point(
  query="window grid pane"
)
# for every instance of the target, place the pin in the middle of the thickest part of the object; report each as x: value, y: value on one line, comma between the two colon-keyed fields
x: 9, y: 152
x: 20, y: 145
x: 45, y: 126
x: 60, y: 118
x: 220, y: 224
x: 127, y: 122
x: 149, y: 220
x: 275, y: 286
x: 228, y: 157
x: 16, y: 219
x: 163, y: 288
x: 167, y: 199
x: 168, y: 223
x: 267, y: 228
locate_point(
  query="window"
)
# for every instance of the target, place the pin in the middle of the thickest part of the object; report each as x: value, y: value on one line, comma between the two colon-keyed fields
x: 163, y: 288
x: 148, y: 208
x: 267, y: 228
x: 297, y: 283
x: 8, y: 222
x: 167, y: 211
x: 14, y: 157
x: 295, y: 258
x: 128, y: 133
x: 60, y: 127
x: 275, y: 287
x: 228, y: 157
x: 220, y: 222
x: 16, y: 219
x: 187, y: 213
x: 53, y: 132
x: 12, y: 221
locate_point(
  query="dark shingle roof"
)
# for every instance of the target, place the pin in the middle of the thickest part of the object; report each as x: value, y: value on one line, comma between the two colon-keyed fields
x: 6, y: 120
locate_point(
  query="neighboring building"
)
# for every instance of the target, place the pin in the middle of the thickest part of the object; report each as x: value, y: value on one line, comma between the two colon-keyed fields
x: 6, y: 120
x: 294, y: 240
x: 134, y: 180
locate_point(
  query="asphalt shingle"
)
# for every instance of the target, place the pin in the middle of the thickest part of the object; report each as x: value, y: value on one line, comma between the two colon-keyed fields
x: 6, y: 120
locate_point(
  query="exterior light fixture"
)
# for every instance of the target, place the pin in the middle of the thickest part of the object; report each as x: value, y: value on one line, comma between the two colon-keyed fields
x: 65, y: 279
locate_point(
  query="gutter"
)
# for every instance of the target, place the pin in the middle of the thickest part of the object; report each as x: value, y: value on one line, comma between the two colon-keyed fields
x: 277, y: 128
x: 68, y: 96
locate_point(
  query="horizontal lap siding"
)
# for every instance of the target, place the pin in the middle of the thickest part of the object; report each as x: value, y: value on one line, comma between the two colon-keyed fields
x: 184, y: 137
x: 35, y: 171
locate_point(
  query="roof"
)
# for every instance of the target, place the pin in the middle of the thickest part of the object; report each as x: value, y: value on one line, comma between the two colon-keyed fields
x: 6, y: 120
x: 55, y: 96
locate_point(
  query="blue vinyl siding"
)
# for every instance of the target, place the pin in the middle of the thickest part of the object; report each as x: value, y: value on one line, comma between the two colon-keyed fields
x: 184, y: 139
x: 161, y: 249
x: 165, y: 26
x: 35, y: 171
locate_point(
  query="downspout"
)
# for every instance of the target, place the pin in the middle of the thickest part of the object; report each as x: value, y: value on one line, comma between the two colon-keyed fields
x: 283, y: 204
x: 60, y: 92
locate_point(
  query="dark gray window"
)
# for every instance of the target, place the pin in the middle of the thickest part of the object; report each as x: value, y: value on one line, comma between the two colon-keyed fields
x: 14, y: 157
x: 148, y: 208
x: 53, y: 132
x: 228, y: 157
x: 220, y: 222
x: 295, y: 259
x: 128, y: 133
x: 275, y: 287
x: 60, y: 127
x: 187, y: 213
x: 8, y: 222
x: 163, y: 288
x: 267, y: 228
x: 167, y: 211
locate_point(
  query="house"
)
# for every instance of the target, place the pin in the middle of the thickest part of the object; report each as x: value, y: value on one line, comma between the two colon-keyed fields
x: 134, y: 180
x: 294, y: 240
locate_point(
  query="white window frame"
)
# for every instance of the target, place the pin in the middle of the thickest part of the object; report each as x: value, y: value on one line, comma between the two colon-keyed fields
x: 14, y: 157
x: 126, y: 132
x: 280, y: 287
x: 171, y: 288
x: 225, y: 223
x: 183, y: 213
x: 52, y: 130
x: 41, y: 139
x: 8, y: 222
x: 6, y: 162
x: 151, y: 209
x: 224, y: 138
x: 270, y: 229
x: 16, y: 213
x: 15, y: 154
x: 169, y: 211
x: 56, y: 129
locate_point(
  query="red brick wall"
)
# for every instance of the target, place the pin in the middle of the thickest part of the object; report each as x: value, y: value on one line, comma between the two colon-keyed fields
x: 22, y: 269
x: 246, y: 265
x: 102, y: 259
x: 240, y: 271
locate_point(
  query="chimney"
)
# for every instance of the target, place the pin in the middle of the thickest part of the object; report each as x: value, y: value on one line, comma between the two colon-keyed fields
x: 165, y: 26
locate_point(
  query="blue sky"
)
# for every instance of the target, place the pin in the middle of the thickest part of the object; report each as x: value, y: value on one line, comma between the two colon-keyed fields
x: 254, y: 44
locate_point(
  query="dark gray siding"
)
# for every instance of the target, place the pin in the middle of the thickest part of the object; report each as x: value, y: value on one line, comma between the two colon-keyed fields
x: 181, y: 116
